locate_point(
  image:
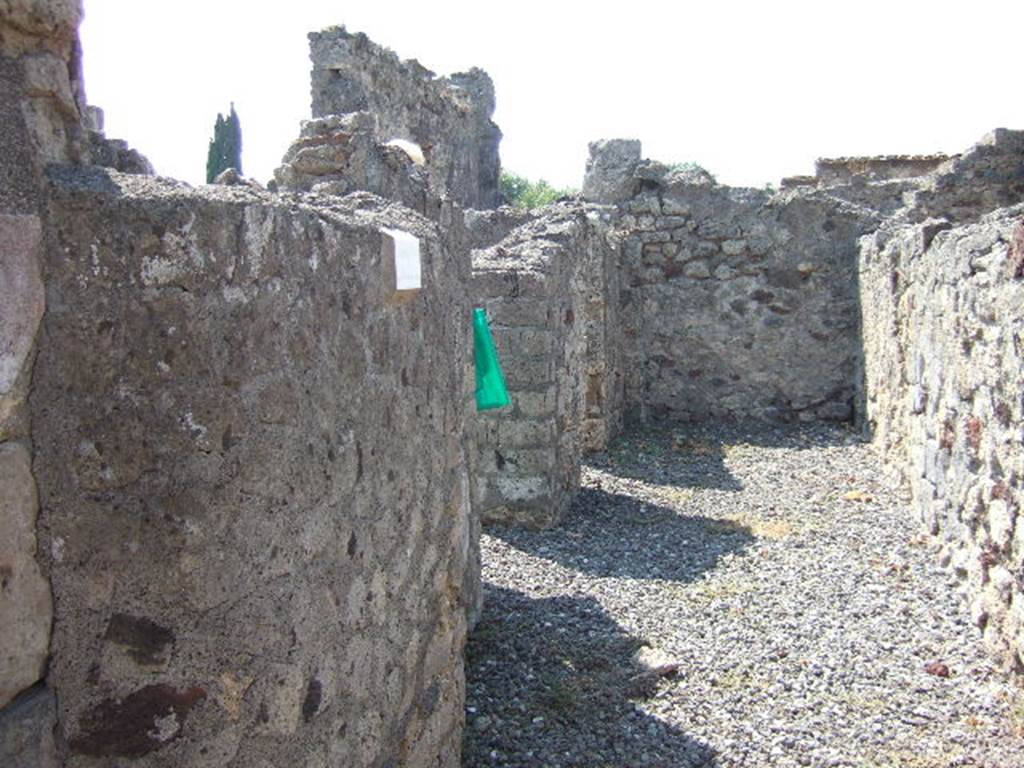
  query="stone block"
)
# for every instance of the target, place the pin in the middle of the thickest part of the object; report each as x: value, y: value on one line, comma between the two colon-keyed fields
x: 697, y: 270
x: 528, y: 372
x: 21, y: 293
x: 26, y: 730
x: 609, y: 172
x: 672, y: 206
x: 524, y: 461
x: 535, y: 404
x: 530, y: 343
x: 523, y: 488
x: 734, y: 247
x: 26, y: 609
x: 47, y: 75
x: 526, y: 433
x: 1001, y: 522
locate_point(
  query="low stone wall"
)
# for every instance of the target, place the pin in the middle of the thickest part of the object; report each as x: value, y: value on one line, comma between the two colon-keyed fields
x: 544, y: 289
x: 739, y: 303
x: 943, y: 362
x: 250, y: 457
x: 449, y: 118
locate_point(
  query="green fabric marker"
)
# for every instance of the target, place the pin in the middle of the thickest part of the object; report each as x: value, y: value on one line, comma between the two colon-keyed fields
x: 491, y: 390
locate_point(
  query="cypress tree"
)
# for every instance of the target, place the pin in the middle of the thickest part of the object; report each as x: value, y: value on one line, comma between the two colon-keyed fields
x: 225, y: 147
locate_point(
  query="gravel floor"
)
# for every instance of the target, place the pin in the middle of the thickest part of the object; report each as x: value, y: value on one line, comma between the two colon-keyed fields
x: 722, y: 597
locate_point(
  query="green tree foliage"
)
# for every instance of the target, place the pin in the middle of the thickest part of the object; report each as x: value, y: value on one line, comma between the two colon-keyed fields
x: 225, y: 146
x: 523, y: 193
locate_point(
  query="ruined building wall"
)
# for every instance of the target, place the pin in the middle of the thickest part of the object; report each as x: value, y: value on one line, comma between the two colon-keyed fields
x: 339, y: 154
x: 747, y: 301
x: 552, y: 314
x: 450, y: 118
x: 987, y: 176
x: 736, y: 302
x: 234, y: 508
x: 250, y: 458
x: 41, y: 107
x: 944, y: 358
x: 603, y: 375
x: 844, y: 170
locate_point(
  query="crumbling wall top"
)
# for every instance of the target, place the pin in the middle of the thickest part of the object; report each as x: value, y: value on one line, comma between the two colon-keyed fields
x: 843, y: 170
x: 610, y: 169
x: 988, y: 176
x: 448, y: 117
x: 55, y: 19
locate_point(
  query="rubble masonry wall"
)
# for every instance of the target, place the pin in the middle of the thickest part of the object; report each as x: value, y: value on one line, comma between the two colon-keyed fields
x: 944, y: 356
x: 41, y: 109
x: 550, y: 288
x: 737, y: 303
x: 449, y: 118
x: 255, y: 502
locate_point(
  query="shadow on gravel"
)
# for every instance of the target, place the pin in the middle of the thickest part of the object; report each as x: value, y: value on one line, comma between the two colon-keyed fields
x: 614, y: 535
x: 669, y: 457
x: 553, y: 682
x: 695, y: 455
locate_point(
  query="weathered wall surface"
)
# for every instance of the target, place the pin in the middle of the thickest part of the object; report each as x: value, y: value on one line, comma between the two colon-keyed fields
x: 112, y: 153
x: 943, y: 359
x: 604, y: 354
x: 450, y: 118
x: 250, y: 456
x: 544, y: 287
x: 738, y: 303
x: 340, y: 154
x: 987, y: 176
x: 41, y: 105
x: 844, y: 170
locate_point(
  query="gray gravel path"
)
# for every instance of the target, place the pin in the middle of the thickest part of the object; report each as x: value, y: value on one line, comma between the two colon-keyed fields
x: 726, y: 597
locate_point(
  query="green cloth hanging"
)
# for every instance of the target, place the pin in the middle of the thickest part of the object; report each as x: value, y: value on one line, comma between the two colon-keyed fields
x: 491, y: 391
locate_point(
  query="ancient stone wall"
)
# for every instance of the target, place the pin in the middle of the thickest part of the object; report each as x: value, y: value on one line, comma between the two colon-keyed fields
x: 544, y: 287
x: 987, y: 176
x: 844, y: 170
x: 112, y: 153
x: 235, y: 523
x: 736, y: 302
x: 336, y: 155
x: 604, y: 354
x: 240, y: 485
x: 943, y: 360
x: 449, y: 118
x: 41, y: 107
x: 250, y: 455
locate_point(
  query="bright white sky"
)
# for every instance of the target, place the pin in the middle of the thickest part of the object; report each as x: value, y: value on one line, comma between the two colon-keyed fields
x: 752, y: 90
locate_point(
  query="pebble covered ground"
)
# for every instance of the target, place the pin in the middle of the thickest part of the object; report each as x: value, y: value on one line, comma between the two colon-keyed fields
x: 728, y: 597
